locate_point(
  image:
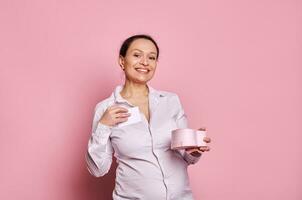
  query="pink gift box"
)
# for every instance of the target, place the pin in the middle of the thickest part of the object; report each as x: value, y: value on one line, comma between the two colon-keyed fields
x: 187, y: 138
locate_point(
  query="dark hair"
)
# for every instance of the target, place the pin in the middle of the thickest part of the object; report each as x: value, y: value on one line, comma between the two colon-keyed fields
x: 126, y: 44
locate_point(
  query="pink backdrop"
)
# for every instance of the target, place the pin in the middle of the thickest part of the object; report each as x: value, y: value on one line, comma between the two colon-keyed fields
x: 242, y: 65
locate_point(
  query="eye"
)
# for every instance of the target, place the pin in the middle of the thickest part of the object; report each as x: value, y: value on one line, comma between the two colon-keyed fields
x: 152, y: 58
x: 136, y: 55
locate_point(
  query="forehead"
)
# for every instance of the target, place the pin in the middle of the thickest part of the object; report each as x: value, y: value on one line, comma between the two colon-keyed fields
x: 143, y: 45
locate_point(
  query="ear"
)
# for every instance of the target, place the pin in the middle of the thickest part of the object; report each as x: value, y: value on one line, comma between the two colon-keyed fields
x: 121, y: 62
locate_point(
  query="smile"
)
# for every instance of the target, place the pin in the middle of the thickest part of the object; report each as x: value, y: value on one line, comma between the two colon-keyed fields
x: 141, y: 70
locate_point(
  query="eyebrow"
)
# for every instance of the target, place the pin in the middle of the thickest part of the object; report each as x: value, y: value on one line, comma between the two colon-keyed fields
x: 141, y: 51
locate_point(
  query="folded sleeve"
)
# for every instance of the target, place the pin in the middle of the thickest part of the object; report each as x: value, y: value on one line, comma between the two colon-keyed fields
x: 182, y: 122
x: 99, y: 154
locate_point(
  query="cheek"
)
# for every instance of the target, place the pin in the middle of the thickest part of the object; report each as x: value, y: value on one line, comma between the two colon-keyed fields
x: 153, y: 66
x: 152, y: 72
x: 153, y: 69
x: 131, y: 62
x: 129, y: 68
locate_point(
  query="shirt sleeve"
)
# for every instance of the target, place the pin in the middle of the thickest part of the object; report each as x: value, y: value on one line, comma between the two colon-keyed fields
x: 182, y: 122
x: 99, y: 154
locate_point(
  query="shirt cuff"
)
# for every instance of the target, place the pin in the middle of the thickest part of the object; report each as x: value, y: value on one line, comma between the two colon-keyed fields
x: 102, y: 132
x: 190, y: 158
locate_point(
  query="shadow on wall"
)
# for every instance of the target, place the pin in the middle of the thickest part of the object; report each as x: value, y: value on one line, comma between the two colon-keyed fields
x: 84, y: 185
x: 96, y: 188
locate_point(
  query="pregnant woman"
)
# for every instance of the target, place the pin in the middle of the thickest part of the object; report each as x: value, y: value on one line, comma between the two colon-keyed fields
x: 148, y: 168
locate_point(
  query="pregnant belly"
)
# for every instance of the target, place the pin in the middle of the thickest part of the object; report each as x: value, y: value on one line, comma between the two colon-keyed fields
x: 147, y: 189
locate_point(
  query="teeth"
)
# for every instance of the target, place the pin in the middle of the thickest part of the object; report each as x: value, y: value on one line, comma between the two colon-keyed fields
x: 142, y: 70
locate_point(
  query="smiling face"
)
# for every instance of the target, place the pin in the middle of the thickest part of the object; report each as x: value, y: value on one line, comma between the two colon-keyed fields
x: 140, y: 61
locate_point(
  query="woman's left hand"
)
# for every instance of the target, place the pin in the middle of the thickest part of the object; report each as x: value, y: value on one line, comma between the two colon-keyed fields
x: 198, y: 150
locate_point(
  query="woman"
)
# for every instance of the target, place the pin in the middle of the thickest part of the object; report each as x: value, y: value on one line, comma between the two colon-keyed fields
x: 147, y: 167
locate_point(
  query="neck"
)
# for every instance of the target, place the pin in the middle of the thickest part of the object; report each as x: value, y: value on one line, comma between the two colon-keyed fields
x: 132, y: 89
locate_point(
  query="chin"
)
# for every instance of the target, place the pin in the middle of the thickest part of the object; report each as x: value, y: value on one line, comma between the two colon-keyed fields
x: 140, y: 81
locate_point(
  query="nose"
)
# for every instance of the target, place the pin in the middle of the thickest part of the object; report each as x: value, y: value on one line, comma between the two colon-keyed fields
x: 144, y: 60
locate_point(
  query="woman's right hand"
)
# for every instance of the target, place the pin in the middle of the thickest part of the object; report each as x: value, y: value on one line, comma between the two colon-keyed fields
x: 114, y: 115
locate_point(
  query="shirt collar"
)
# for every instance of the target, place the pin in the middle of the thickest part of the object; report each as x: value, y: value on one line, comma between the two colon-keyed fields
x: 153, y: 95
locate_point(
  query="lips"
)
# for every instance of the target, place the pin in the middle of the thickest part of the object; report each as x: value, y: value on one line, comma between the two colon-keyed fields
x: 142, y: 70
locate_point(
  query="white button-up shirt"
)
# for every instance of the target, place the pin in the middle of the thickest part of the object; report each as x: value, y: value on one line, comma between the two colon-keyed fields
x: 147, y: 167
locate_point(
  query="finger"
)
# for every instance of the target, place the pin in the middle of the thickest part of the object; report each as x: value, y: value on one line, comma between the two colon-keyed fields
x: 122, y: 115
x: 204, y: 148
x: 191, y: 148
x: 202, y: 128
x: 196, y: 153
x: 207, y: 139
x: 119, y: 110
x: 121, y: 119
x: 192, y: 151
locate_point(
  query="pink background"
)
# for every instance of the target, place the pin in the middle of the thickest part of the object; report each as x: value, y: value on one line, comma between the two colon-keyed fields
x: 242, y: 65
